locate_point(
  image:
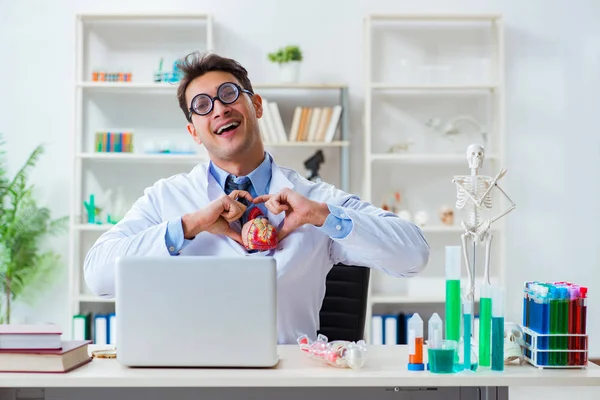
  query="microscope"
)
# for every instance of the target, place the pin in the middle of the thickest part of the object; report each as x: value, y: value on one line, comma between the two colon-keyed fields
x: 313, y: 164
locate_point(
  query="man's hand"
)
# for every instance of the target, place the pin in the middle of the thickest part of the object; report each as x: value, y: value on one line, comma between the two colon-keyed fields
x: 298, y: 210
x: 215, y: 217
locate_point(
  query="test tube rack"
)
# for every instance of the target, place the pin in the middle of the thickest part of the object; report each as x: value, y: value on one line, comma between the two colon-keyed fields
x: 534, y: 355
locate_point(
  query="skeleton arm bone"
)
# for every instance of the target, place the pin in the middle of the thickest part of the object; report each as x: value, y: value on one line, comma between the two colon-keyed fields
x: 512, y: 206
x: 492, y: 184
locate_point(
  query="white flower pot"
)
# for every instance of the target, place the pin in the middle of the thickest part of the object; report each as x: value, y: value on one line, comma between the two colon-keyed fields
x: 289, y: 72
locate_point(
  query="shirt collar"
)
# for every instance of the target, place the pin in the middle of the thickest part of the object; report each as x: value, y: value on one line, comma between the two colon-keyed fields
x: 260, y: 177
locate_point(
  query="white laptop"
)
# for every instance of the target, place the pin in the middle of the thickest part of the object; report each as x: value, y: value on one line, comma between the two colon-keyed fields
x: 199, y: 311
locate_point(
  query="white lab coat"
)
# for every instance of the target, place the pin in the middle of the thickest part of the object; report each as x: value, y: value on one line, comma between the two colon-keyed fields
x: 378, y: 239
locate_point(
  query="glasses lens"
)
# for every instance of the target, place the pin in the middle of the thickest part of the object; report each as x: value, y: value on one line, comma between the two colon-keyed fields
x: 228, y: 93
x: 201, y: 104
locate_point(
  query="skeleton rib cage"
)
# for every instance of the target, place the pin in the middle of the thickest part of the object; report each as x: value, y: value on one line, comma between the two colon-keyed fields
x: 463, y: 201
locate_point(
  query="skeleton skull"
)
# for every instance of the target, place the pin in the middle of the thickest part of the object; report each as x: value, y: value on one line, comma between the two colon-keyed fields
x: 513, y: 342
x: 475, y: 156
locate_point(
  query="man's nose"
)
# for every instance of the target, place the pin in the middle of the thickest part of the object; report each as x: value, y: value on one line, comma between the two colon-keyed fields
x: 220, y: 109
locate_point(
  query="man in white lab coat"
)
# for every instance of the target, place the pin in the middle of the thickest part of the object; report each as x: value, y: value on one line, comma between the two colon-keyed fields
x: 192, y: 214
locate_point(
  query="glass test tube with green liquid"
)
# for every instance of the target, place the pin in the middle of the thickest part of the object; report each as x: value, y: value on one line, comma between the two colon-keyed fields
x: 485, y: 325
x: 453, y: 303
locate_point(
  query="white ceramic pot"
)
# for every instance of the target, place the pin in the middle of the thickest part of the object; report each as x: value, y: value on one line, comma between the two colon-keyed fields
x: 289, y: 72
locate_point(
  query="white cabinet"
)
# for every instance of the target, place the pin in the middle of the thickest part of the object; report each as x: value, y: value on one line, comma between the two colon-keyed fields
x: 118, y: 89
x: 434, y: 84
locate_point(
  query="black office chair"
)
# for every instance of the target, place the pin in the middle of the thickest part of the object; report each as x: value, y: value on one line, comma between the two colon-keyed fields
x: 343, y: 313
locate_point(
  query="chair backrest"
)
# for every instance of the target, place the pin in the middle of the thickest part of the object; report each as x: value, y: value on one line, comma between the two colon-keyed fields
x: 343, y: 313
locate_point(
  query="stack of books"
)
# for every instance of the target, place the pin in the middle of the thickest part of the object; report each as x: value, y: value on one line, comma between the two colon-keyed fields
x: 39, y: 348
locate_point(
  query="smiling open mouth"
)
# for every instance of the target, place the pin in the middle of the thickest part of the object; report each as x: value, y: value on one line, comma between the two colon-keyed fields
x: 226, y: 128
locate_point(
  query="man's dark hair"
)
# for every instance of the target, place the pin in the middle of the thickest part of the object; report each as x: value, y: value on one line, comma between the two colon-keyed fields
x: 197, y: 64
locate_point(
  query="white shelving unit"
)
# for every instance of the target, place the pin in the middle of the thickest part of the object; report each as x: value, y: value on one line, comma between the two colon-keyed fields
x: 421, y: 72
x: 135, y: 43
x: 132, y: 43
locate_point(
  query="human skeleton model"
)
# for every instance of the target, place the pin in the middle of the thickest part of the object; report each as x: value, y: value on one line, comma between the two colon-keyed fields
x: 474, y: 196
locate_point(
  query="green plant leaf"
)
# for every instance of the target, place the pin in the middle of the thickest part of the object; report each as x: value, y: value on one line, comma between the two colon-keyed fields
x: 286, y: 54
x: 25, y: 270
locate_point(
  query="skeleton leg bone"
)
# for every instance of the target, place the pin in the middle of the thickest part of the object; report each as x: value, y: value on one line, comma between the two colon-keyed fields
x: 488, y: 255
x: 467, y: 238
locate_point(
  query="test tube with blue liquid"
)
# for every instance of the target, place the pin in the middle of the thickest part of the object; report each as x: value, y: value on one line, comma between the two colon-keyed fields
x: 469, y: 359
x: 498, y: 329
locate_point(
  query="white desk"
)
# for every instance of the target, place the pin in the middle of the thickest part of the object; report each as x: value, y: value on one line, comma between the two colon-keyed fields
x: 385, y: 369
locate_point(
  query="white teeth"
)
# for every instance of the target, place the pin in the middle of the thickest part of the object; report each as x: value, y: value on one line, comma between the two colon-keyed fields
x: 229, y: 125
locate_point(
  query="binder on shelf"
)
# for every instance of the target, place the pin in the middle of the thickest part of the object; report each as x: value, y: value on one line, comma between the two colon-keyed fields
x: 81, y: 327
x: 377, y: 331
x: 112, y: 329
x: 390, y: 329
x: 101, y: 329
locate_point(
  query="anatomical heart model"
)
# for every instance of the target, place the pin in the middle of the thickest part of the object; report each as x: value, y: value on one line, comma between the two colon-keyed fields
x: 258, y: 233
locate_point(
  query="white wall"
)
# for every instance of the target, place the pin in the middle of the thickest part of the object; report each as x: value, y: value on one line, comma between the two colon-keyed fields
x: 553, y: 59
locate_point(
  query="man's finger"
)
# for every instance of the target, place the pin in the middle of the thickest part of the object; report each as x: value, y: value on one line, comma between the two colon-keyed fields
x: 240, y: 194
x: 233, y: 211
x: 275, y: 207
x: 262, y: 199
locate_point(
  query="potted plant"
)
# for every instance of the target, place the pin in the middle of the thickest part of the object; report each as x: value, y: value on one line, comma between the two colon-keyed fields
x: 25, y: 269
x: 289, y: 59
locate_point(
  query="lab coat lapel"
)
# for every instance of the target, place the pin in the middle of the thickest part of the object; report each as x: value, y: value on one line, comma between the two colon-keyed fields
x: 278, y: 182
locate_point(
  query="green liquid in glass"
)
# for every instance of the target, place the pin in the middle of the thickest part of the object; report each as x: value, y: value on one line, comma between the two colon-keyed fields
x: 453, y: 310
x: 485, y: 327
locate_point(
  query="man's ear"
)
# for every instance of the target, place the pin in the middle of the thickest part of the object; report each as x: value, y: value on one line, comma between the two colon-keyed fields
x: 192, y: 130
x: 257, y: 103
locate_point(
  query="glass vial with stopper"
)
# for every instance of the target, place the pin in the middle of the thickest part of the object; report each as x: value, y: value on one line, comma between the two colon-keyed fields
x: 415, y: 343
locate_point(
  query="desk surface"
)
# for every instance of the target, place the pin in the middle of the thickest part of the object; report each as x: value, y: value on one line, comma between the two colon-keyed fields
x: 386, y: 367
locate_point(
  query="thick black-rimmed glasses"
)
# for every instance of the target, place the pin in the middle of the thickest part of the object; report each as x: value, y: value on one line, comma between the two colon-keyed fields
x: 227, y: 93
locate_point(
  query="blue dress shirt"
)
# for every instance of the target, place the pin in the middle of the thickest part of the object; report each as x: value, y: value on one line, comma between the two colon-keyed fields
x: 337, y: 225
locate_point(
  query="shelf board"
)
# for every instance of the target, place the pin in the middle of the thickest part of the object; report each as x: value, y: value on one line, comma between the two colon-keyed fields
x: 134, y: 86
x: 308, y: 144
x: 299, y: 85
x: 407, y: 299
x: 140, y: 16
x: 424, y: 158
x: 435, y: 17
x: 90, y: 298
x: 173, y: 86
x: 135, y: 157
x: 432, y: 88
x: 92, y: 227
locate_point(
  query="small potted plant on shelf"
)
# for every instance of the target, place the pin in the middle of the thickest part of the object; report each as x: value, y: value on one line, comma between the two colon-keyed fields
x: 289, y: 59
x: 25, y: 269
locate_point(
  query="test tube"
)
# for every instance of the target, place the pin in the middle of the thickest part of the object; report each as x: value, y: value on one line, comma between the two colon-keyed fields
x: 453, y: 260
x: 545, y: 325
x: 485, y: 324
x: 581, y: 357
x: 573, y: 295
x: 498, y: 329
x: 415, y: 343
x: 554, y: 298
x: 467, y: 312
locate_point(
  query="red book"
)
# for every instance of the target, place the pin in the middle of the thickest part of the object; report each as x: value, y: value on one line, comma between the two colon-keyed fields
x: 38, y: 336
x: 71, y: 355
